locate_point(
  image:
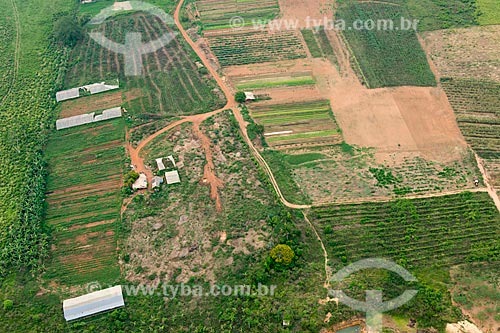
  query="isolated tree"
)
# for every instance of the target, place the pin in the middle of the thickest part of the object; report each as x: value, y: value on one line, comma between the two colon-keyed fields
x: 240, y: 97
x: 130, y: 178
x: 68, y: 31
x: 282, y: 254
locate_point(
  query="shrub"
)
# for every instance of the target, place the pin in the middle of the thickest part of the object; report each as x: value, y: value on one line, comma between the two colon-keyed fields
x: 282, y: 254
x: 240, y: 97
x: 8, y: 305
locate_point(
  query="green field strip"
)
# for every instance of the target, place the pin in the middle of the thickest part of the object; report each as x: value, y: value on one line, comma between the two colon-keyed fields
x: 284, y: 82
x: 312, y: 43
x: 294, y: 118
x: 303, y: 135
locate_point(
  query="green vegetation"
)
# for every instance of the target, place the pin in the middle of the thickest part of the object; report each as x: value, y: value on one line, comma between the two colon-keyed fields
x: 312, y: 43
x: 29, y: 72
x: 477, y: 289
x: 283, y: 174
x: 441, y: 14
x: 85, y: 168
x: 217, y: 15
x: 303, y: 158
x: 436, y: 233
x: 240, y: 97
x: 489, y: 12
x: 444, y: 230
x: 385, y: 58
x: 8, y: 304
x: 7, y: 47
x: 68, y: 30
x: 318, y: 44
x: 171, y: 85
x: 130, y: 178
x: 309, y: 122
x: 282, y: 254
x: 476, y: 104
x: 384, y: 177
x: 256, y: 47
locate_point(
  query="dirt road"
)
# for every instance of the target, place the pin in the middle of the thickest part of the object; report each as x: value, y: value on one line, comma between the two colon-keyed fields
x: 209, y: 174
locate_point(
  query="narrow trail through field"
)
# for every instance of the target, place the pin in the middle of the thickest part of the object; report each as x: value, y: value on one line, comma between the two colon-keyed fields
x: 328, y: 271
x: 491, y: 190
x: 17, y: 50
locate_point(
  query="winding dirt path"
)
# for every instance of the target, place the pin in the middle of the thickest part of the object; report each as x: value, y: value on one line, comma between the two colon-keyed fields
x: 208, y: 172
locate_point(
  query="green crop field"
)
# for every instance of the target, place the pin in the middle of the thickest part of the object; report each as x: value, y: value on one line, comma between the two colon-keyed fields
x: 28, y: 69
x: 489, y: 12
x: 83, y: 195
x: 217, y: 14
x: 385, y: 58
x: 444, y: 230
x: 312, y: 43
x: 476, y: 104
x: 285, y: 81
x: 256, y: 47
x: 7, y: 46
x: 307, y: 123
x: 171, y: 85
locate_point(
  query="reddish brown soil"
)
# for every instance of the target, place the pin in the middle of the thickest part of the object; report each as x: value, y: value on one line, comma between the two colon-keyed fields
x: 209, y: 170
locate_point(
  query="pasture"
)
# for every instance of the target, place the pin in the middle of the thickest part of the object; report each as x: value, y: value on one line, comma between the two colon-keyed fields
x: 384, y: 58
x: 489, y: 12
x: 441, y: 14
x: 85, y: 167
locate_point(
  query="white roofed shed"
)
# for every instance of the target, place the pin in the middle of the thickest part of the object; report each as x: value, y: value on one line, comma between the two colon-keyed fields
x: 89, y: 304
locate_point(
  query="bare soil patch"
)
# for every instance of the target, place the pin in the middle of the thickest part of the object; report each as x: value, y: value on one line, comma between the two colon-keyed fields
x: 301, y: 9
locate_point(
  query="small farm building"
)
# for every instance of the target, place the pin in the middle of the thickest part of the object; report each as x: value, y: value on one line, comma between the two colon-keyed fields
x: 93, y: 303
x: 156, y: 182
x: 141, y: 182
x: 159, y: 163
x: 249, y: 96
x: 172, y: 177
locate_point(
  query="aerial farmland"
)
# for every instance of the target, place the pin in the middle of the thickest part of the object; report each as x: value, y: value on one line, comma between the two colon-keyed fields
x: 250, y: 166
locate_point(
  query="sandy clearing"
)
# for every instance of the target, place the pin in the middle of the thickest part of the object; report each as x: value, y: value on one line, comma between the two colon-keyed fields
x: 301, y: 10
